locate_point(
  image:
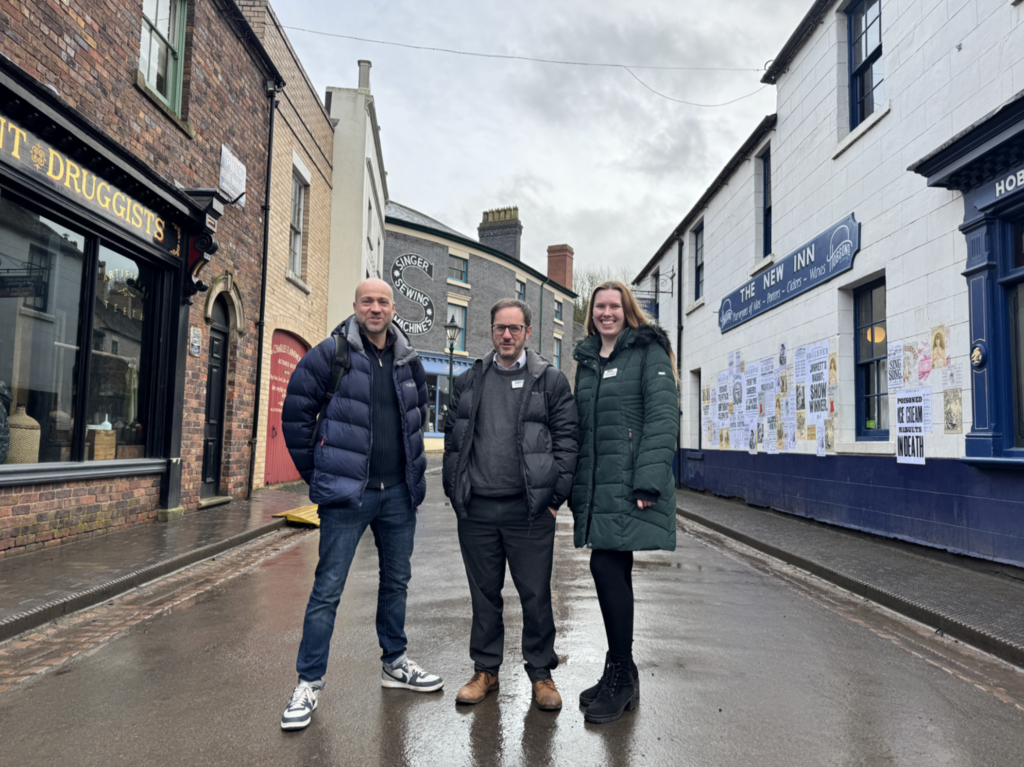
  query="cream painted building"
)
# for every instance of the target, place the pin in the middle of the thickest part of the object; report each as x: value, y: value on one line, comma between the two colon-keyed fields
x: 359, y: 197
x: 298, y: 256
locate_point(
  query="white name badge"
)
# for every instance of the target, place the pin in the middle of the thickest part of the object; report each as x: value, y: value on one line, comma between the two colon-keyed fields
x: 611, y: 373
x: 518, y: 384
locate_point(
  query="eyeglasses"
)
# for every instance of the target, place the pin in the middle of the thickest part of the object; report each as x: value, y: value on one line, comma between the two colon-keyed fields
x: 515, y: 330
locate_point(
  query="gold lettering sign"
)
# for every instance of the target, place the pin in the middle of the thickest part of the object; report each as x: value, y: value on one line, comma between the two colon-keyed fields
x: 37, y: 158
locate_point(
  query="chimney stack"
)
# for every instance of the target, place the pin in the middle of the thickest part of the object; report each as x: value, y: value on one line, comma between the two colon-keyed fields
x: 560, y: 264
x: 364, y: 75
x: 501, y: 230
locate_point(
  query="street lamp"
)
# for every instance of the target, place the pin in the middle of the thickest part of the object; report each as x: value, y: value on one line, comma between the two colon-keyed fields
x: 452, y: 330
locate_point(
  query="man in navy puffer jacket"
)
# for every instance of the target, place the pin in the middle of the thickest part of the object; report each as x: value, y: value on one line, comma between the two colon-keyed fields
x: 366, y: 468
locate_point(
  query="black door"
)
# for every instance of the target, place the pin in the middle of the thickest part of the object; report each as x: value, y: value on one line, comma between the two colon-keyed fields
x: 216, y: 390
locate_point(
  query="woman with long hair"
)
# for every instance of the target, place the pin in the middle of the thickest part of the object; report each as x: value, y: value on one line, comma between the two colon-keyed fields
x: 623, y: 496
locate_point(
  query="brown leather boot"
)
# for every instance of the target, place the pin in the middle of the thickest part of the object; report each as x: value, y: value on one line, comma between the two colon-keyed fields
x: 477, y: 688
x: 546, y: 696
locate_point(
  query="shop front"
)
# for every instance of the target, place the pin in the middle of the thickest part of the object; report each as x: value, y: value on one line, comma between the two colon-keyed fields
x: 92, y: 278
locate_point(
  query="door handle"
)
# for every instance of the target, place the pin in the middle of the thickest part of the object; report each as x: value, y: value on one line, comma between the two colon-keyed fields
x: 273, y: 432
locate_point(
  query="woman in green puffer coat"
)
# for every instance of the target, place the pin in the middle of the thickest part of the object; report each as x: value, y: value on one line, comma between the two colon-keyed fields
x: 623, y: 495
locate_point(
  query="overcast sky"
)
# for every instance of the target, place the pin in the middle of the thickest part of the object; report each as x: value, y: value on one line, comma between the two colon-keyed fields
x: 588, y: 154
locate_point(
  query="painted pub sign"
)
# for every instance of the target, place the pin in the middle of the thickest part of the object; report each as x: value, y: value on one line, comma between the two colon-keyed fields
x: 812, y: 264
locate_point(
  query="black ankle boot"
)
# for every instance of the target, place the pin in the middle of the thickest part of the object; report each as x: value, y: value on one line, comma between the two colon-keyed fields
x: 589, y: 695
x: 616, y: 695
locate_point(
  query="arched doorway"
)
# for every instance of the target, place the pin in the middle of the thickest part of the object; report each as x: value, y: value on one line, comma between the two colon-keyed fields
x: 286, y: 351
x: 216, y: 397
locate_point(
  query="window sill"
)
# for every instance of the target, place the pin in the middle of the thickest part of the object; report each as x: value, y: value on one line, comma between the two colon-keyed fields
x: 460, y: 353
x: 43, y: 473
x: 866, y: 447
x: 142, y: 85
x: 35, y: 314
x: 560, y: 322
x: 297, y: 281
x: 694, y: 306
x: 460, y: 283
x: 761, y: 264
x: 860, y: 130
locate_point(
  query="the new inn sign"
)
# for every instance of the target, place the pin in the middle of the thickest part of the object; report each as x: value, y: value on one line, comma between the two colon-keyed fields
x: 818, y: 261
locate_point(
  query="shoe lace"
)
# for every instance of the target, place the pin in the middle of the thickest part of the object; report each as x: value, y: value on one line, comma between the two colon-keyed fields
x: 301, y: 696
x: 611, y: 681
x: 413, y: 668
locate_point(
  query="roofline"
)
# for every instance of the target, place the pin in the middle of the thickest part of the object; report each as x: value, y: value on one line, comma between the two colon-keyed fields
x: 249, y: 37
x: 298, y: 63
x: 372, y: 111
x: 796, y: 40
x: 474, y: 245
x: 763, y: 128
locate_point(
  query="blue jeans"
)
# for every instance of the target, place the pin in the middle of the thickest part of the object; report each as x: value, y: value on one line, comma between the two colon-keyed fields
x: 391, y: 517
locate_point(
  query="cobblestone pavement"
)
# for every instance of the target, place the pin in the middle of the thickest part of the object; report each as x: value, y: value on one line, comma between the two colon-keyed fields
x: 47, y: 649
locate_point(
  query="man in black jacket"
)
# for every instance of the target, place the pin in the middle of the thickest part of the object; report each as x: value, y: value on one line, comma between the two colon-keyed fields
x: 510, y: 449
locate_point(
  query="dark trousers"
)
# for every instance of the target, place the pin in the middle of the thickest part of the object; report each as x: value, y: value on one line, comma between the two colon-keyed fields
x: 494, y: 532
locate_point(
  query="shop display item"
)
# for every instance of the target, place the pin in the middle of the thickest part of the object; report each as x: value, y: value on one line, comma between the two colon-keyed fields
x: 25, y: 434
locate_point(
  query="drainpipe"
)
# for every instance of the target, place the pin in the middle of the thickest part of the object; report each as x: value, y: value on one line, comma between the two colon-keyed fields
x: 272, y: 91
x: 679, y: 348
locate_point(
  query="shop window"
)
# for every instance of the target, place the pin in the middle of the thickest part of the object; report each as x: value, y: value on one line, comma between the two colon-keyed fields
x: 698, y: 262
x: 558, y: 310
x: 557, y: 357
x: 867, y: 78
x: 458, y: 268
x: 163, y: 37
x: 871, y: 363
x: 42, y: 265
x: 458, y: 313
x: 296, y: 228
x: 521, y: 290
x: 766, y: 203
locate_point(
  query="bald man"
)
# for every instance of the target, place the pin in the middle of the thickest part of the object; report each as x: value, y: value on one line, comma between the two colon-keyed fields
x: 365, y: 467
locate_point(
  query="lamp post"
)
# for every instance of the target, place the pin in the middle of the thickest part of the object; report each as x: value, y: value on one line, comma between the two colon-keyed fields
x: 452, y: 330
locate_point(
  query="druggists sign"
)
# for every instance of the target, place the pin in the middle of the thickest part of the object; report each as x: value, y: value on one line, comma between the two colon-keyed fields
x: 814, y: 263
x: 35, y: 157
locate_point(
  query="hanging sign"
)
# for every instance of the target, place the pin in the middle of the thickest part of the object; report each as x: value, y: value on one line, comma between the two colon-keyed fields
x: 413, y: 261
x: 818, y: 261
x: 33, y: 156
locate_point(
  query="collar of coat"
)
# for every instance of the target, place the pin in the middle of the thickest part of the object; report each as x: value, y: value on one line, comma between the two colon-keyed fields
x: 645, y: 335
x: 535, y: 364
x: 404, y: 353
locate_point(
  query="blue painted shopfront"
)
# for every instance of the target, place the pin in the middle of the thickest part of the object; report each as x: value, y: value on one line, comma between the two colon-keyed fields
x: 436, y: 367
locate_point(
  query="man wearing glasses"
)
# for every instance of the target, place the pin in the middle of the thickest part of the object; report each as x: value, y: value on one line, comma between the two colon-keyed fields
x: 509, y: 456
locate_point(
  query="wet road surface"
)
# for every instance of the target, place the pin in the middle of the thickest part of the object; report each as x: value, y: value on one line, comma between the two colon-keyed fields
x: 742, y: 661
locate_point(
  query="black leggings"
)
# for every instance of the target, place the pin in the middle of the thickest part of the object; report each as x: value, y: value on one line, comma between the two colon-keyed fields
x: 613, y: 577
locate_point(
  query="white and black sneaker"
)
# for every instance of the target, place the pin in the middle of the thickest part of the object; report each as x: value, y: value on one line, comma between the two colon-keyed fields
x: 407, y: 675
x: 302, y: 705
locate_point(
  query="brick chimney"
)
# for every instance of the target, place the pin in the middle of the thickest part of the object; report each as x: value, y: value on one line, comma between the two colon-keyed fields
x: 560, y: 264
x: 502, y: 231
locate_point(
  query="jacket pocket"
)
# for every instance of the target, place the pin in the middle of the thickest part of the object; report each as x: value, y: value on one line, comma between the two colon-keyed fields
x: 318, y: 447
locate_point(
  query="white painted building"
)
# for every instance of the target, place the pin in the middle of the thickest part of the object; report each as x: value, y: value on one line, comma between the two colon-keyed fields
x: 886, y: 112
x: 359, y: 194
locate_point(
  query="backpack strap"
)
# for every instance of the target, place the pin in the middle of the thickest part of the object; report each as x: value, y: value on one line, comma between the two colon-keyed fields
x: 339, y: 366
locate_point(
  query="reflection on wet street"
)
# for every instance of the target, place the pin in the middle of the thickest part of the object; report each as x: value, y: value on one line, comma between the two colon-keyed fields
x: 738, y: 666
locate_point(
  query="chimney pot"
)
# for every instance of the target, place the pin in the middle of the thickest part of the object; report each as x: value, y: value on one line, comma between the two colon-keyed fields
x: 560, y: 264
x: 364, y: 74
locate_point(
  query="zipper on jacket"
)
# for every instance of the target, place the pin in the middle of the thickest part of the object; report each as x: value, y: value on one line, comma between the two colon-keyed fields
x: 593, y: 429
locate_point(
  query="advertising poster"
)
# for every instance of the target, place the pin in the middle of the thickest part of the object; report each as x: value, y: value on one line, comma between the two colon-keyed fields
x: 952, y: 411
x: 819, y: 441
x: 833, y: 369
x: 750, y: 400
x: 800, y: 365
x: 830, y: 436
x: 952, y: 375
x: 766, y: 378
x: 924, y: 361
x: 782, y: 355
x: 895, y: 366
x: 939, y: 337
x: 771, y: 436
x: 724, y: 400
x: 817, y: 387
x: 801, y: 424
x: 723, y: 439
x: 910, y: 420
x: 909, y: 363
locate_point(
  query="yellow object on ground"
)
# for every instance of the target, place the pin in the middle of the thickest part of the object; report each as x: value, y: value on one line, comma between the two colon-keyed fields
x: 304, y: 515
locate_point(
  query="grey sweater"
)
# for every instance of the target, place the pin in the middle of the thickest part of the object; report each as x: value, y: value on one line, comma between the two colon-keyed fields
x: 494, y: 467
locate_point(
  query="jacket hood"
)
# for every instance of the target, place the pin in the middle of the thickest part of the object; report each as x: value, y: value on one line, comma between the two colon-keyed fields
x: 535, y: 364
x: 404, y: 353
x: 645, y: 335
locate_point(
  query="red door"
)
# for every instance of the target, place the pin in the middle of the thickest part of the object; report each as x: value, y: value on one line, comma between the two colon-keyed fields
x: 286, y: 352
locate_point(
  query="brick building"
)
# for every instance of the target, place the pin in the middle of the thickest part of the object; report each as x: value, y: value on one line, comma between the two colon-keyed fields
x: 129, y: 135
x: 440, y: 274
x: 299, y: 245
x: 849, y: 326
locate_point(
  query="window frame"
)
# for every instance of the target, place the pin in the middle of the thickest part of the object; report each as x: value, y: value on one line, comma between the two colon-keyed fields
x: 298, y: 184
x: 766, y: 202
x: 863, y: 434
x: 521, y: 290
x: 455, y: 311
x: 558, y: 310
x: 698, y: 261
x: 556, y: 353
x: 857, y: 70
x: 459, y: 275
x: 177, y: 85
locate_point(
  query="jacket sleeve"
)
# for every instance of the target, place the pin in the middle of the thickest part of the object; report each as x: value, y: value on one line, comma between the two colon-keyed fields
x: 306, y: 390
x: 563, y: 424
x: 653, y: 470
x: 451, y: 451
x: 419, y: 375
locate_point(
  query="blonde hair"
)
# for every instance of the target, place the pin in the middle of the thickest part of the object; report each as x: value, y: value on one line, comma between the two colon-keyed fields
x: 632, y: 313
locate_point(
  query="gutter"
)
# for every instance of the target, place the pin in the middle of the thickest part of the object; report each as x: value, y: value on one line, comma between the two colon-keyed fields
x: 679, y: 352
x: 796, y: 41
x: 272, y: 91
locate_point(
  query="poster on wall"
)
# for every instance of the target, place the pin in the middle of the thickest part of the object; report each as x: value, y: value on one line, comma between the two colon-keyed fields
x: 939, y: 336
x: 817, y: 388
x: 751, y: 407
x: 909, y: 363
x: 952, y: 411
x: 724, y: 400
x: 894, y: 364
x: 766, y: 379
x: 910, y: 419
